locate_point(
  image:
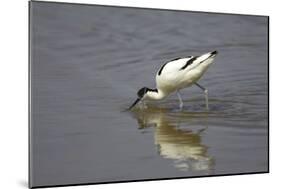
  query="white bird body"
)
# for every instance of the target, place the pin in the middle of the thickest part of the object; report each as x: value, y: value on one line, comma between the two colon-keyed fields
x: 176, y: 75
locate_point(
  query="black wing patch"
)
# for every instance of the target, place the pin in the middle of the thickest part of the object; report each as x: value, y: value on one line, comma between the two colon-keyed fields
x: 190, y: 61
x: 160, y: 71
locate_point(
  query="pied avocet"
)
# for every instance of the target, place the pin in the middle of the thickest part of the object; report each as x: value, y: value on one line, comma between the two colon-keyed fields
x: 177, y: 74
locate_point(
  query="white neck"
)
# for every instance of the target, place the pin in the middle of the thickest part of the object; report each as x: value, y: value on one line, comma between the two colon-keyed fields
x: 153, y: 95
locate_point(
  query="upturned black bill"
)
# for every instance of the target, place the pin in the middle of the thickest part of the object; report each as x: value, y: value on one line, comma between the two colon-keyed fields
x: 138, y: 99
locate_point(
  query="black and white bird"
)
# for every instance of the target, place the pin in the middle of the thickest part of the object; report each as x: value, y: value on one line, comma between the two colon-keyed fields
x: 177, y: 74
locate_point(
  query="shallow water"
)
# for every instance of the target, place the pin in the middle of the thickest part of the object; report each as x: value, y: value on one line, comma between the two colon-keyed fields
x: 87, y: 63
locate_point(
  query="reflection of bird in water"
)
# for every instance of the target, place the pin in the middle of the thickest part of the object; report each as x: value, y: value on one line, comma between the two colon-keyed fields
x: 177, y: 74
x: 181, y: 145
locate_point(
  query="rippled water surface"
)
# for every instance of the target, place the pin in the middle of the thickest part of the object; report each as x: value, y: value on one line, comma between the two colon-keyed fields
x: 87, y: 62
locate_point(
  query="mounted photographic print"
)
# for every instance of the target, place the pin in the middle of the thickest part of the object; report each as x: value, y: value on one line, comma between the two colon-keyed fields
x: 120, y: 94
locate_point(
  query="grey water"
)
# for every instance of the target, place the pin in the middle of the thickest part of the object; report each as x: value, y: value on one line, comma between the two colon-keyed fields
x: 88, y: 62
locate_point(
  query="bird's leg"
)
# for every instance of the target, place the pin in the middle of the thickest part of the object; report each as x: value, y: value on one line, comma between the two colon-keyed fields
x: 180, y: 100
x: 206, y: 94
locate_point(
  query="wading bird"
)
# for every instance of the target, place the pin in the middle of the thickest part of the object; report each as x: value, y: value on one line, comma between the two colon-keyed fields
x: 177, y: 74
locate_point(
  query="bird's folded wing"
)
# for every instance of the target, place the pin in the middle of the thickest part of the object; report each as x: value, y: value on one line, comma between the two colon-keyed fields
x: 173, y: 66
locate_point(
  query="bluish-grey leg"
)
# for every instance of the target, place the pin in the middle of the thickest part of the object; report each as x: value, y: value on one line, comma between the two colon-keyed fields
x: 206, y: 94
x: 180, y: 100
